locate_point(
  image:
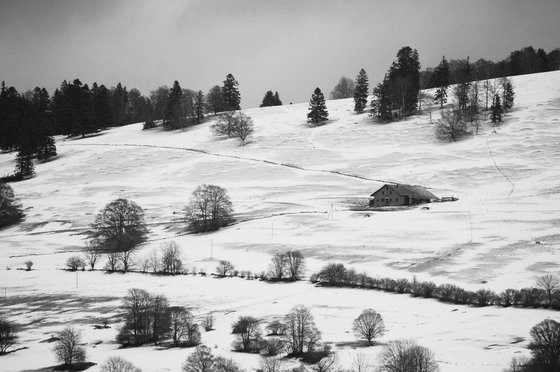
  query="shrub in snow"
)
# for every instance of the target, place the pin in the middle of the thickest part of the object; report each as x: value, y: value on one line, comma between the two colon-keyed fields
x: 75, y: 262
x: 208, y: 322
x: 8, y: 335
x: 272, y: 347
x: 28, y: 265
x: 276, y: 328
x: 202, y: 360
x: 118, y: 364
x: 405, y: 355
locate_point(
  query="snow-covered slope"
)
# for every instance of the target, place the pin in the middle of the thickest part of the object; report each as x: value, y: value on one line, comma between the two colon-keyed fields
x: 293, y: 185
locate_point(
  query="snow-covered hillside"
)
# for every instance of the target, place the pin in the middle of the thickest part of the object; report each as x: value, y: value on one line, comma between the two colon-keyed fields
x: 292, y: 186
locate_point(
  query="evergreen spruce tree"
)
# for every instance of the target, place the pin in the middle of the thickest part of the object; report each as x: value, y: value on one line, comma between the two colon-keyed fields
x: 381, y: 102
x: 11, y: 211
x: 24, y: 164
x: 119, y: 104
x: 174, y: 117
x: 404, y: 80
x: 230, y: 94
x: 199, y: 106
x: 509, y: 95
x: 317, y: 108
x: 268, y: 99
x: 361, y: 92
x: 496, y: 111
x: 277, y: 101
x: 46, y: 149
x: 441, y: 80
x: 271, y: 99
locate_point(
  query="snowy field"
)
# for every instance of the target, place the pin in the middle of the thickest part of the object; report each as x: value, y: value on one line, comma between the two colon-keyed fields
x: 293, y: 187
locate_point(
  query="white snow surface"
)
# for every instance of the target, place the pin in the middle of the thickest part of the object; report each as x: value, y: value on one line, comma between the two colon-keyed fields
x: 292, y: 187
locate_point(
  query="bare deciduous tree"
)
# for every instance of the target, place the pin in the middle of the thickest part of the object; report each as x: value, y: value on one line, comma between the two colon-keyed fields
x: 92, y: 253
x: 302, y: 334
x: 550, y: 284
x: 247, y: 329
x: 405, y: 355
x: 201, y: 360
x: 545, y: 342
x: 368, y: 326
x: 208, y: 322
x: 225, y: 126
x: 183, y: 326
x: 244, y: 127
x: 171, y: 262
x: 118, y: 364
x: 360, y: 363
x: 327, y: 364
x: 296, y: 264
x: 270, y: 364
x: 224, y: 267
x: 209, y: 209
x: 451, y: 126
x: 120, y: 227
x: 67, y: 349
x: 344, y: 89
x: 276, y: 328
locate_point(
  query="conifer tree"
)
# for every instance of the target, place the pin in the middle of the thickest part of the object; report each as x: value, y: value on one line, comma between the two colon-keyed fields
x: 46, y: 149
x: 441, y: 80
x: 268, y: 99
x: 277, y: 101
x: 199, y: 106
x: 230, y: 93
x: 381, y: 102
x: 496, y: 111
x: 361, y: 91
x: 317, y: 108
x: 509, y: 95
x: 271, y: 99
x: 119, y: 102
x: 174, y: 115
x: 24, y: 164
x: 11, y: 211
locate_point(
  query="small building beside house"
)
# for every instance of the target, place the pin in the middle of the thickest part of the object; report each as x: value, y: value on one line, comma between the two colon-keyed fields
x: 401, y: 195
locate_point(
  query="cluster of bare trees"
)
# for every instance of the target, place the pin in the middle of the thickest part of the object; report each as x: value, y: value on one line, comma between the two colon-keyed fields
x: 545, y: 294
x: 234, y: 124
x: 473, y: 100
x: 287, y: 266
x: 149, y: 318
x: 119, y: 228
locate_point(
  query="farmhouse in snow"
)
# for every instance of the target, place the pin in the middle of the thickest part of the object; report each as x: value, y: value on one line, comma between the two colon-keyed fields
x: 398, y: 194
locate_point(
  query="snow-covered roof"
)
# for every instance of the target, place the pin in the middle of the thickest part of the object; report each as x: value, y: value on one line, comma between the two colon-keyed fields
x: 414, y: 192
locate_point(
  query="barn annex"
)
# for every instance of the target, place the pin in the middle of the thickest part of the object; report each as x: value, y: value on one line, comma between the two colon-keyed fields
x: 399, y: 194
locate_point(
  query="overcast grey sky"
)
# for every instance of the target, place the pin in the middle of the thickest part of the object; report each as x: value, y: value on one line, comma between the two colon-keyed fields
x: 291, y: 46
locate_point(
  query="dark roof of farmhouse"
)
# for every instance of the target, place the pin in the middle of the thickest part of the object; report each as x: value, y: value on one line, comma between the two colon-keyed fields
x: 414, y: 192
